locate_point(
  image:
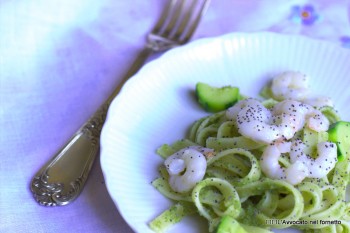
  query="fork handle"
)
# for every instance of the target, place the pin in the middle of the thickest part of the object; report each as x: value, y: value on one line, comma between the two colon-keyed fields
x: 62, y: 178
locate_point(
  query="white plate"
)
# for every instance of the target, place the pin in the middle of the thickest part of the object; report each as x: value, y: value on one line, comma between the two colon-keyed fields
x: 157, y: 106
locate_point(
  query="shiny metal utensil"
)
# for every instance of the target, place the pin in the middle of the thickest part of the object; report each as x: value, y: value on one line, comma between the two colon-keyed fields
x: 62, y: 178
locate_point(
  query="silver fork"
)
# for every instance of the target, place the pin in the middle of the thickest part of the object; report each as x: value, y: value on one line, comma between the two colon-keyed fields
x: 62, y: 178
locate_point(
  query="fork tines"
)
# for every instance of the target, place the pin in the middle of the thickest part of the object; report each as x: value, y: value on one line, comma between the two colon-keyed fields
x: 180, y: 19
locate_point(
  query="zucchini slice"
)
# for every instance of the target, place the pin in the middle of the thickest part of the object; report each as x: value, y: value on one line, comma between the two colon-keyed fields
x: 339, y: 133
x: 229, y: 225
x: 214, y: 99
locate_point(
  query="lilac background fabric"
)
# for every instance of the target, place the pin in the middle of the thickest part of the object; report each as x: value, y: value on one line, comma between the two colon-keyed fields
x: 60, y: 59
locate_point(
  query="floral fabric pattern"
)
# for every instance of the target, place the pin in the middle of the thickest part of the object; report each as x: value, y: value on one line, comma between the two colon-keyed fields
x: 307, y: 15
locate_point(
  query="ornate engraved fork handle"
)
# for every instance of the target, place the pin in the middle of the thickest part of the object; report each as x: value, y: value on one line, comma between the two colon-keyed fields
x: 62, y: 178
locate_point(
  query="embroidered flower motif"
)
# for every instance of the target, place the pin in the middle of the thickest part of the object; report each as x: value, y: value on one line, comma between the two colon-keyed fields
x: 306, y: 14
x: 345, y: 41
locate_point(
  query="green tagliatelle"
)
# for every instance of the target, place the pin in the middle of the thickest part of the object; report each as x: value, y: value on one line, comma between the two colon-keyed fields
x: 234, y: 184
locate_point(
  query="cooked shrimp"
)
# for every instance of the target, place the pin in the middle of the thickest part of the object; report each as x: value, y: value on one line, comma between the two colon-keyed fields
x: 263, y: 125
x: 287, y: 117
x: 232, y: 112
x: 302, y: 165
x: 320, y: 166
x: 296, y: 172
x: 290, y: 115
x: 290, y: 85
x: 254, y: 121
x: 269, y: 160
x: 326, y: 160
x: 186, y: 167
x: 296, y: 114
x: 315, y: 120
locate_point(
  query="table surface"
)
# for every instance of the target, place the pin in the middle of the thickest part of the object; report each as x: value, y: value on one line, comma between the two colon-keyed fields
x: 60, y: 59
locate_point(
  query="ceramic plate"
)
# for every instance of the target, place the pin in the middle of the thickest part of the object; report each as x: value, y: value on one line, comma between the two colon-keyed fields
x: 158, y: 106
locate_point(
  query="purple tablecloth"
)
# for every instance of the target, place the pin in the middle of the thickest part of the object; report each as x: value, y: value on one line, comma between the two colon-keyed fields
x: 60, y: 59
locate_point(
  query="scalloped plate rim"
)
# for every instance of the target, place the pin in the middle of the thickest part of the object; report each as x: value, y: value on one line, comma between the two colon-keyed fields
x: 170, y: 55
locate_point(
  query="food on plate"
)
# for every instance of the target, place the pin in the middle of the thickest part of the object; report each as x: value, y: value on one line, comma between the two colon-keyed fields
x: 228, y: 224
x: 339, y: 133
x: 215, y: 99
x: 259, y: 164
